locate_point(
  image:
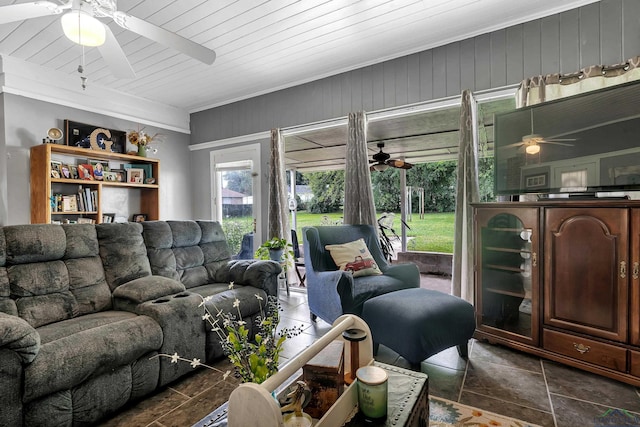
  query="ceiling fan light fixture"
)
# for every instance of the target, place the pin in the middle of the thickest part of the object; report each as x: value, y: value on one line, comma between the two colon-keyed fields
x: 380, y: 167
x: 532, y: 149
x: 83, y: 29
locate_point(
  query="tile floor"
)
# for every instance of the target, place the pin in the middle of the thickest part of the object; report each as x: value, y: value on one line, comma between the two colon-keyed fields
x: 494, y: 378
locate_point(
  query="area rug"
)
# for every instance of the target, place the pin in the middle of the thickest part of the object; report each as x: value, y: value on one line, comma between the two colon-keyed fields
x: 445, y: 413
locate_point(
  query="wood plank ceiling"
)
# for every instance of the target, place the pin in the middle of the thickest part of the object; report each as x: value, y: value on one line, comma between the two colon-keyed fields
x: 264, y: 45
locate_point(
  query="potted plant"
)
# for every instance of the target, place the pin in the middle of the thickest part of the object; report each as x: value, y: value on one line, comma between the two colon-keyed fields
x: 275, y: 249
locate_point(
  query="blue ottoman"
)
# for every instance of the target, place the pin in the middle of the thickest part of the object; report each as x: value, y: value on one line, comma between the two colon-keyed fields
x: 418, y: 323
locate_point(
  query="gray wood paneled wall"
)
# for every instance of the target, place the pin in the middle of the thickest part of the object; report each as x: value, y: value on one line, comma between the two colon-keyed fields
x: 606, y: 32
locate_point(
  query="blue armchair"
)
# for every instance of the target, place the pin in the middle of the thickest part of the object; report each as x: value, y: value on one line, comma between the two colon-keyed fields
x: 332, y: 292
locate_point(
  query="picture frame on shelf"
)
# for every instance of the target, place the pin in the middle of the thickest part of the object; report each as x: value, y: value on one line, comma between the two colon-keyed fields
x: 56, y: 168
x: 135, y: 176
x: 139, y: 217
x: 85, y: 171
x: 86, y: 221
x: 120, y: 174
x: 99, y: 168
x: 65, y: 171
x: 94, y: 137
x: 73, y: 171
x: 108, y: 218
x: 109, y: 176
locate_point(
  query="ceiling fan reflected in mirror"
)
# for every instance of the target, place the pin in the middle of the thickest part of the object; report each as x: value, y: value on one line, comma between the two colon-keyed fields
x: 382, y: 161
x: 531, y: 143
x: 81, y: 26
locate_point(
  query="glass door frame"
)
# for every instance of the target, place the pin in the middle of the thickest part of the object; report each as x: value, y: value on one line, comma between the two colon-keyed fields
x: 237, y: 154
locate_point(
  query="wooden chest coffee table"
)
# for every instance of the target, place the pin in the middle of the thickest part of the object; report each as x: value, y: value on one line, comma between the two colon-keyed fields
x: 407, y: 402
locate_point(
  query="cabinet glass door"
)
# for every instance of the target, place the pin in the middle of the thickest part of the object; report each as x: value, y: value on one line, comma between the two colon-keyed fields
x: 508, y: 273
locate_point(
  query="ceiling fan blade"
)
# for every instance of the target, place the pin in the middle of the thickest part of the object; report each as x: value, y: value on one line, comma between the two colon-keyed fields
x: 164, y: 37
x: 515, y: 144
x: 115, y: 58
x: 400, y: 164
x: 556, y: 143
x: 36, y: 9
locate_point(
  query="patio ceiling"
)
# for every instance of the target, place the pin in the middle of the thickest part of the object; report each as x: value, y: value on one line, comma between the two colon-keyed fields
x: 416, y: 138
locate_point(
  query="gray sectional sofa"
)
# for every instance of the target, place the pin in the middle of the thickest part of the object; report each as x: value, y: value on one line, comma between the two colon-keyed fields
x: 84, y: 308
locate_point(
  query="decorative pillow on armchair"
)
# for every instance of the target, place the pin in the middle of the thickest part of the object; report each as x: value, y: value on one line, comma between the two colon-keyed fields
x: 354, y: 257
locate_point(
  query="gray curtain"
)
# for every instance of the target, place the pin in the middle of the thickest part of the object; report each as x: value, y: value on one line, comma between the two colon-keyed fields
x: 467, y: 192
x: 538, y: 89
x: 358, y: 194
x: 278, y: 208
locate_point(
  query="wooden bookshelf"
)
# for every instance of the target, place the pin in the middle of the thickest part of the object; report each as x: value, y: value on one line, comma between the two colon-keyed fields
x: 42, y: 182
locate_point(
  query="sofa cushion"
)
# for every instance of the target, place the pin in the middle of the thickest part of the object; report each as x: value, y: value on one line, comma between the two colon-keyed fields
x: 73, y: 350
x: 148, y: 288
x: 52, y: 272
x: 41, y: 291
x: 87, y: 280
x: 123, y: 253
x: 34, y: 243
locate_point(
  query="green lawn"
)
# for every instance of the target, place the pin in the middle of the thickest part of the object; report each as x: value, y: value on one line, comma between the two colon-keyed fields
x: 434, y: 233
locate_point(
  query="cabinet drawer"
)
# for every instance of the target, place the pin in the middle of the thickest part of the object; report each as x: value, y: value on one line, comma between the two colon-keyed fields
x: 591, y: 351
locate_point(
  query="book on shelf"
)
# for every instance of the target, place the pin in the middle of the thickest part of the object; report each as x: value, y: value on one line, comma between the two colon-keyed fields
x: 69, y: 203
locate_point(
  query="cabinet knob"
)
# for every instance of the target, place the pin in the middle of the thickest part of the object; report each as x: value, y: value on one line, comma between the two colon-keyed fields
x: 623, y: 269
x: 581, y: 348
x: 636, y: 270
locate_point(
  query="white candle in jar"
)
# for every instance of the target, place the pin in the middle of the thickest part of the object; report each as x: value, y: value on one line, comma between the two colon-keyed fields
x: 372, y: 391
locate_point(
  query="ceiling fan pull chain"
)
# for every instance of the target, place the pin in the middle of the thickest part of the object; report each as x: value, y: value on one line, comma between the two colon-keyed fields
x: 83, y: 79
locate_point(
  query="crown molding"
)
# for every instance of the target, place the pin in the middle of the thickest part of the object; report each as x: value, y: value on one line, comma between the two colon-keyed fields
x: 21, y: 78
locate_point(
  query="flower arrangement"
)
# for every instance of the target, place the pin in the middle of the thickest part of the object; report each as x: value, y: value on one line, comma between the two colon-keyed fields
x: 141, y: 138
x: 253, y: 361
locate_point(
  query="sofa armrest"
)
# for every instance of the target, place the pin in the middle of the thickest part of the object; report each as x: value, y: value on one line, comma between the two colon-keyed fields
x: 19, y: 336
x: 147, y: 288
x: 261, y: 274
x: 407, y: 273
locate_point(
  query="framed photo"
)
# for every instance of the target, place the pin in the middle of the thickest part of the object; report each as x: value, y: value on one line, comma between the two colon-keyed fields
x: 99, y: 168
x: 139, y: 217
x: 135, y: 175
x: 73, y: 171
x: 86, y: 221
x: 108, y: 217
x: 56, y: 169
x: 110, y: 176
x: 120, y: 175
x: 65, y: 172
x: 94, y: 137
x: 85, y: 171
x: 536, y: 181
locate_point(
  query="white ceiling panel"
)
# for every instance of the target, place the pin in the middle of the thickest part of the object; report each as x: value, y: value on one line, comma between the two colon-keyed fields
x: 262, y: 45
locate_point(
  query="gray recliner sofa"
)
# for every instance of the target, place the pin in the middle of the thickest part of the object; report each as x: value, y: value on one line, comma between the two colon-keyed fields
x: 84, y: 308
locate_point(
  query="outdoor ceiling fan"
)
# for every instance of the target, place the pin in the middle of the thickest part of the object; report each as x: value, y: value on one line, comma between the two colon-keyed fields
x: 381, y: 161
x: 81, y: 26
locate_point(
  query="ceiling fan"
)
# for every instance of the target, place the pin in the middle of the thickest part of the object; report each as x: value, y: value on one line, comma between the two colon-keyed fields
x: 381, y: 161
x: 81, y: 26
x: 531, y: 143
